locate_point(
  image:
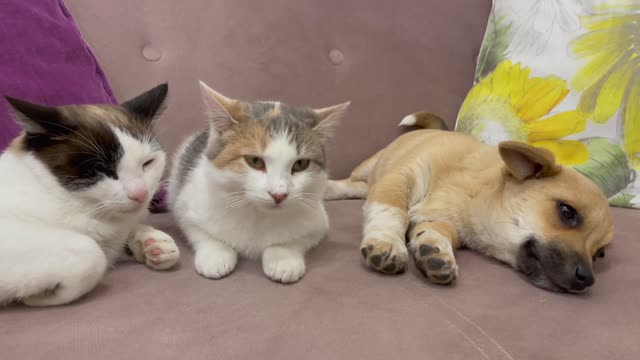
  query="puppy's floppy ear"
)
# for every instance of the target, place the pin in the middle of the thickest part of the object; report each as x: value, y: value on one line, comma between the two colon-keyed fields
x: 524, y: 161
x: 149, y: 104
x: 35, y: 118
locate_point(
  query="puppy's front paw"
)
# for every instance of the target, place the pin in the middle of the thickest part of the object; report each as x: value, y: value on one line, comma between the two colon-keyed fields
x: 385, y: 257
x: 283, y: 265
x: 155, y: 249
x: 215, y: 264
x: 434, y: 258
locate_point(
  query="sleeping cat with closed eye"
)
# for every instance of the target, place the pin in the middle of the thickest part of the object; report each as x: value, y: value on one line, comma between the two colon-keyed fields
x: 75, y: 188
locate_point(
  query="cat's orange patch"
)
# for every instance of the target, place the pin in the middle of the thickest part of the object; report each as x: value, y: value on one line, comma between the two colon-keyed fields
x: 248, y: 139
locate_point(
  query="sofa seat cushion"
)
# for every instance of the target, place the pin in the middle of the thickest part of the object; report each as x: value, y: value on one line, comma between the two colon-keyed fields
x: 339, y: 310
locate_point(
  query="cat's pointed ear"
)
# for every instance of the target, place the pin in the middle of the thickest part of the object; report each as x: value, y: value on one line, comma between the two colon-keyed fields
x: 329, y: 118
x: 148, y: 105
x: 34, y: 118
x: 218, y: 108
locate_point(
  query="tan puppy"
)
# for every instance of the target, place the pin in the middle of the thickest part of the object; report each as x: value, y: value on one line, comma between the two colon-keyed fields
x: 442, y: 190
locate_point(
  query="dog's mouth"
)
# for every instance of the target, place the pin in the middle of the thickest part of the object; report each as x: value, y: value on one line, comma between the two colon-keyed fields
x: 529, y: 264
x: 554, y: 269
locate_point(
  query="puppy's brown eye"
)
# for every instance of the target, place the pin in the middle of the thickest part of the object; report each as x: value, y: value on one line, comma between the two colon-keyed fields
x: 568, y: 215
x: 255, y: 162
x: 300, y: 165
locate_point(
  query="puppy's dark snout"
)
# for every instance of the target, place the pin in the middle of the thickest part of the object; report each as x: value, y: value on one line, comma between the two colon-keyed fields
x: 584, y: 277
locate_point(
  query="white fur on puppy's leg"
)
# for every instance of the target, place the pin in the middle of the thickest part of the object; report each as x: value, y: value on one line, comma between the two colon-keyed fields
x: 154, y: 248
x: 283, y: 264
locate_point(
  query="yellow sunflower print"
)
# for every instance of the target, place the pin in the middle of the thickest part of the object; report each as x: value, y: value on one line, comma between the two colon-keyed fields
x: 610, y: 77
x: 509, y: 104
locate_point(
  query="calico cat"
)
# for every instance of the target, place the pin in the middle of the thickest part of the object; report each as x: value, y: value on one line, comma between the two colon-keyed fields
x: 74, y: 189
x: 252, y: 183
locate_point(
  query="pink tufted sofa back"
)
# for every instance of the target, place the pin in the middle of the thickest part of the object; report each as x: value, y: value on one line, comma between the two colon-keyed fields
x: 389, y: 58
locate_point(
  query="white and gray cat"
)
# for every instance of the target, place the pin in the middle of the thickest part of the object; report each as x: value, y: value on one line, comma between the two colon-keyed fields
x: 74, y: 189
x: 252, y: 184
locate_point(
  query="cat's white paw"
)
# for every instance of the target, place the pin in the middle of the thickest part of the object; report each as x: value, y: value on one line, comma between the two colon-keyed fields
x: 215, y: 264
x: 283, y: 265
x: 155, y: 248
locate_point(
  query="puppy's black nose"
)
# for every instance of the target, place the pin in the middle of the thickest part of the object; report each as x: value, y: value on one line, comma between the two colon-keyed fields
x: 584, y: 277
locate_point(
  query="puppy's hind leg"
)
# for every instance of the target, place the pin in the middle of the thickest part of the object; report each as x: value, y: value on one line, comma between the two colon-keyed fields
x: 386, y: 221
x: 432, y: 244
x: 356, y: 186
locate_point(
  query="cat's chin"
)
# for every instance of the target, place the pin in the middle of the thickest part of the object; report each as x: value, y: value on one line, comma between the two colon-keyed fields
x: 271, y: 206
x: 128, y: 211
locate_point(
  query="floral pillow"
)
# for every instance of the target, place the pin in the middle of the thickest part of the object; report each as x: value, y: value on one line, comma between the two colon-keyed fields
x: 564, y: 75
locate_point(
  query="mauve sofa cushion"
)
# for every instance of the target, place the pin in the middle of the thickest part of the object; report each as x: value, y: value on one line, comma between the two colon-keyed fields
x: 44, y: 59
x: 339, y: 310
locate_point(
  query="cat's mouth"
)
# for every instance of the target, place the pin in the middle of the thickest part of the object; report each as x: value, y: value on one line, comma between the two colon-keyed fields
x: 132, y: 208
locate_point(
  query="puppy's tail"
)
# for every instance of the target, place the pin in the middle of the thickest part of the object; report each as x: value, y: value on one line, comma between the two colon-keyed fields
x: 424, y: 120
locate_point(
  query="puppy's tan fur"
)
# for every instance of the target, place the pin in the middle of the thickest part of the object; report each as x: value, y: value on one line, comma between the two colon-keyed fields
x: 441, y: 190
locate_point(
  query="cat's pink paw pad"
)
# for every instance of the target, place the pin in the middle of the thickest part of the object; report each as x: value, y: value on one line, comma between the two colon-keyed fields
x: 160, y: 250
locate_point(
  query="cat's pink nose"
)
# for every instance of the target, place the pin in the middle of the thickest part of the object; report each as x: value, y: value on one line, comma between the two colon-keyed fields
x: 136, y: 189
x: 139, y: 194
x: 278, y: 198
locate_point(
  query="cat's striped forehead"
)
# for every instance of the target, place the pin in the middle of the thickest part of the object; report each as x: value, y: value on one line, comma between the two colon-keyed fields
x: 259, y: 124
x: 275, y: 115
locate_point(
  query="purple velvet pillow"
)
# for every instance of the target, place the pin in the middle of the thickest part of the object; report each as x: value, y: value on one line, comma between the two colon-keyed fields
x: 44, y: 59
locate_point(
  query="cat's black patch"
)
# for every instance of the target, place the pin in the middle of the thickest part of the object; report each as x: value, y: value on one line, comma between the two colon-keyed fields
x: 76, y: 162
x: 148, y: 105
x: 78, y: 153
x: 78, y: 143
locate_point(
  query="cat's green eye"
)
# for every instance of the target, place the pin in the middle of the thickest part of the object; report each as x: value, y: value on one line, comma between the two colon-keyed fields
x: 300, y: 165
x: 255, y: 162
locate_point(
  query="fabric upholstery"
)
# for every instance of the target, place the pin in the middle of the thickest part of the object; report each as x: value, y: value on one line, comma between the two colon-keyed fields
x: 339, y: 310
x: 390, y: 59
x: 44, y: 59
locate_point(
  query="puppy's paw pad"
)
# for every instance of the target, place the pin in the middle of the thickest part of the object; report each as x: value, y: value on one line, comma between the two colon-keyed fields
x: 438, y: 266
x: 285, y: 271
x: 216, y: 266
x: 384, y: 256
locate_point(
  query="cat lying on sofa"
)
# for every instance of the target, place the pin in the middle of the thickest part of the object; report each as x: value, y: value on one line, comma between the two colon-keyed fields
x: 75, y: 188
